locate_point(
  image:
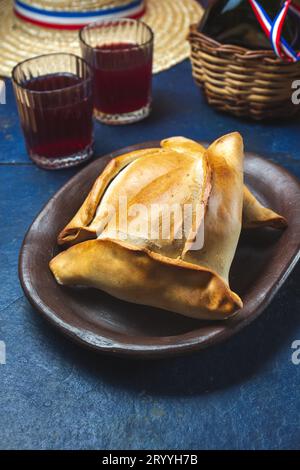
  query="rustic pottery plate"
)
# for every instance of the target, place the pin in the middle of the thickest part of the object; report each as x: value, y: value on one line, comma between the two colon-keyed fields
x: 264, y: 259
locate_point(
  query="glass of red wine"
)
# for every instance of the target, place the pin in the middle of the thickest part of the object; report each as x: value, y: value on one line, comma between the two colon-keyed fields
x: 54, y: 94
x: 120, y: 53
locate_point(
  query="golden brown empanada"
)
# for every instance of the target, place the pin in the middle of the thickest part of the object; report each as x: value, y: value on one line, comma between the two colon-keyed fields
x: 121, y: 256
x: 254, y: 213
x: 84, y: 226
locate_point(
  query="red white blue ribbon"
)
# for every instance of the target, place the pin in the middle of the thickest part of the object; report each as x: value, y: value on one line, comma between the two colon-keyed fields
x: 280, y: 49
x: 76, y: 19
x: 273, y: 29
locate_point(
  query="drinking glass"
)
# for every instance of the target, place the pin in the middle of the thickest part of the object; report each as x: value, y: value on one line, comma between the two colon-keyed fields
x: 55, y: 104
x: 120, y: 53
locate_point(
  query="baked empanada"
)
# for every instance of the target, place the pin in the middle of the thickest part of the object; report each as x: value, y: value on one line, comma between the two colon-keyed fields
x: 187, y: 270
x: 84, y: 226
x: 254, y: 213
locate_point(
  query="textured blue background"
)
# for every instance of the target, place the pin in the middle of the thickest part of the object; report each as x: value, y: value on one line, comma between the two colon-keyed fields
x: 243, y: 394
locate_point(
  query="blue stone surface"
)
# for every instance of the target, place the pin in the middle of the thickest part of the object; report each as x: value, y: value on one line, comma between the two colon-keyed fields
x: 243, y: 394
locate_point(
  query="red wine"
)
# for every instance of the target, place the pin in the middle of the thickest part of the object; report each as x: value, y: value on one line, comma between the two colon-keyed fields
x: 234, y: 22
x: 122, y: 78
x: 59, y: 119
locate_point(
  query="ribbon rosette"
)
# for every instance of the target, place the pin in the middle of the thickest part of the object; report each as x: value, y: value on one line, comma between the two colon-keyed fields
x: 273, y: 29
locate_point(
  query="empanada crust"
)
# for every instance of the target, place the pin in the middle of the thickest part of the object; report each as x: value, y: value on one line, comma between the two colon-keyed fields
x: 146, y: 278
x: 167, y: 275
x: 80, y: 227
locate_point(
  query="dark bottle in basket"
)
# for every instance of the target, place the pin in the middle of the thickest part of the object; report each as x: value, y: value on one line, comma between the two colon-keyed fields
x: 234, y: 22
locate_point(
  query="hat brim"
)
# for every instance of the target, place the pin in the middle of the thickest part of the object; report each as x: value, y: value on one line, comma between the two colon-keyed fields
x: 169, y: 19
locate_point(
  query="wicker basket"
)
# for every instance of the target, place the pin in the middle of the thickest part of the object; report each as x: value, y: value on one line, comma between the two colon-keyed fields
x: 243, y: 82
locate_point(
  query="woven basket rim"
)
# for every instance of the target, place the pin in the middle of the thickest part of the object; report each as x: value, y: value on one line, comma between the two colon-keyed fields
x: 243, y: 51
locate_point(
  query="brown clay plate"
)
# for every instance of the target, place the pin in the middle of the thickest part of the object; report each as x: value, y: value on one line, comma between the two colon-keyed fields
x: 263, y: 261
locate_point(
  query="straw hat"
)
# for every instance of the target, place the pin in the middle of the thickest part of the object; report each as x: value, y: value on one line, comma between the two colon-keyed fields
x: 33, y: 27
